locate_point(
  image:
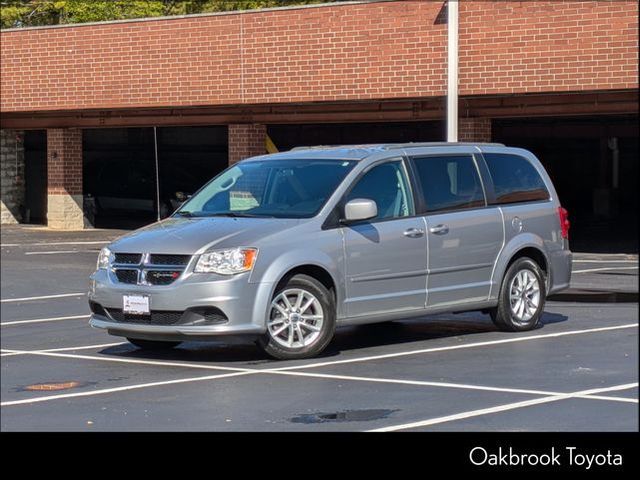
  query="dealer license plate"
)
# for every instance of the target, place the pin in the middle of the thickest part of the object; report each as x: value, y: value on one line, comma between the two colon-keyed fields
x: 135, y: 304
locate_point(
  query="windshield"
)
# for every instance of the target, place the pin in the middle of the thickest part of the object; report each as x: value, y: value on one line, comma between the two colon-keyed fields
x: 269, y: 188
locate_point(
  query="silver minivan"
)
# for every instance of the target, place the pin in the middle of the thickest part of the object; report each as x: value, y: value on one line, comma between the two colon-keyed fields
x: 289, y: 246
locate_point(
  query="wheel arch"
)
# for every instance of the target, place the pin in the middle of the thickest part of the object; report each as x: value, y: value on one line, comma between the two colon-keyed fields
x: 530, y: 246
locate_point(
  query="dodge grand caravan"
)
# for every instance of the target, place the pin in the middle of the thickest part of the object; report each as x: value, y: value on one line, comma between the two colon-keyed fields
x: 288, y: 246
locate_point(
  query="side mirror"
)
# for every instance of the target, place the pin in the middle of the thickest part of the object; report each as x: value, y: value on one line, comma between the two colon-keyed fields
x: 360, y: 209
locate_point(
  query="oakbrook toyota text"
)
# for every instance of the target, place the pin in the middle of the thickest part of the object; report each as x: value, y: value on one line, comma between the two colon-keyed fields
x: 568, y: 456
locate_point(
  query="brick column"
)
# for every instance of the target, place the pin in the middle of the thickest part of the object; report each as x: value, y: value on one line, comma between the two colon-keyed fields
x: 246, y: 140
x: 11, y: 176
x: 64, y: 179
x: 474, y: 129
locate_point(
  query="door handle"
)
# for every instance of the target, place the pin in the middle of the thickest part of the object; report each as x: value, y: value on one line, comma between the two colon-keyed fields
x: 440, y: 229
x: 413, y: 233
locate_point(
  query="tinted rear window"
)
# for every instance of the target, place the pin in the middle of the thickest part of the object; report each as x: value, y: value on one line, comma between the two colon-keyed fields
x: 515, y: 179
x: 449, y: 183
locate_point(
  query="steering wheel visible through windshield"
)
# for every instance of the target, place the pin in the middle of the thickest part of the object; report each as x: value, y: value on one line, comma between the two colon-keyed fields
x: 269, y: 188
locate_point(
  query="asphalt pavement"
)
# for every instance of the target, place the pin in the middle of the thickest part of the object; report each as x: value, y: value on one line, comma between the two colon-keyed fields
x: 577, y: 372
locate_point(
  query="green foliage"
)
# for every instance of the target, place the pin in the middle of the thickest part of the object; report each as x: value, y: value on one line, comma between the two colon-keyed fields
x: 29, y: 13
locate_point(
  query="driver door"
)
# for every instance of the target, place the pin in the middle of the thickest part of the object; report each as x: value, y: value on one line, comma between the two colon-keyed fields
x: 386, y: 257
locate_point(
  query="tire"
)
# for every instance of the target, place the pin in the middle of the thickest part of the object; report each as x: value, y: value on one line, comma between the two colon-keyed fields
x: 522, y: 311
x: 152, y: 344
x: 282, y: 339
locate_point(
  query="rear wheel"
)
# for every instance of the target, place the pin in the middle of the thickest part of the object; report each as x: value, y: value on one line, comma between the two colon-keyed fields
x: 152, y: 344
x: 522, y: 297
x: 301, y: 319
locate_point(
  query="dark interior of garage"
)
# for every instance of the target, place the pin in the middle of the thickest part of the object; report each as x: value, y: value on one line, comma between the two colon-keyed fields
x: 286, y: 137
x: 35, y: 173
x: 593, y: 162
x: 119, y: 170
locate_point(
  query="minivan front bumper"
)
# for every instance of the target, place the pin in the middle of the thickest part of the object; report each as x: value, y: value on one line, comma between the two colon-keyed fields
x: 243, y: 304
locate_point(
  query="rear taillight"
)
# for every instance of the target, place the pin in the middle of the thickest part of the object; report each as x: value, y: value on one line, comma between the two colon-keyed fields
x: 564, y: 222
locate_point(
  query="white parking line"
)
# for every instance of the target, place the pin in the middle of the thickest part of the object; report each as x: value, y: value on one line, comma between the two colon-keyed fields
x: 120, y: 389
x: 44, y: 297
x: 39, y: 244
x: 503, y: 408
x: 51, y: 353
x: 604, y: 268
x: 41, y: 320
x: 287, y: 370
x: 239, y: 370
x: 54, y: 252
x: 64, y: 349
x: 446, y: 385
x: 458, y: 347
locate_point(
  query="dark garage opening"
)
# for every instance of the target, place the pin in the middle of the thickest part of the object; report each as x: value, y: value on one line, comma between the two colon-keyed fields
x: 119, y: 170
x: 35, y: 173
x: 286, y: 137
x: 580, y: 155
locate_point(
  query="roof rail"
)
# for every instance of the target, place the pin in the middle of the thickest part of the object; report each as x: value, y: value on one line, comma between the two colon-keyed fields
x: 355, y: 146
x: 441, y: 144
x: 392, y: 146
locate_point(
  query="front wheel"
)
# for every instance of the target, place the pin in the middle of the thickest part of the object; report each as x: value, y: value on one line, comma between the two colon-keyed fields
x: 301, y: 319
x: 522, y: 297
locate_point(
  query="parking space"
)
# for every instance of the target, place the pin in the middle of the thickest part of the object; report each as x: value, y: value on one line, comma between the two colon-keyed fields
x: 578, y: 372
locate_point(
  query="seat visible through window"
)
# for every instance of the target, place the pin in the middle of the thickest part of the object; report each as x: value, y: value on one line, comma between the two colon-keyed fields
x: 387, y: 186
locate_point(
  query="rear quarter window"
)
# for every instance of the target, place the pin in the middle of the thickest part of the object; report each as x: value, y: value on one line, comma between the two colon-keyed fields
x: 515, y: 179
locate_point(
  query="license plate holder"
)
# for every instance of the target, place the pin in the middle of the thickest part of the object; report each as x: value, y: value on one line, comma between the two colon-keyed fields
x: 135, y: 304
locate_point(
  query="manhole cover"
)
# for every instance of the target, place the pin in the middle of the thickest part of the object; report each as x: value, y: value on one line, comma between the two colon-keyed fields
x: 344, y: 416
x: 38, y: 387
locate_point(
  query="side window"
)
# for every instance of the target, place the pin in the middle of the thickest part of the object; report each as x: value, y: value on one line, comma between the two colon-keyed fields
x: 387, y: 185
x: 449, y: 183
x: 515, y: 179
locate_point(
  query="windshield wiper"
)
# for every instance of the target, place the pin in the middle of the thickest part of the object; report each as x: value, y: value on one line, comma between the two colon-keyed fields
x: 185, y: 213
x: 239, y: 215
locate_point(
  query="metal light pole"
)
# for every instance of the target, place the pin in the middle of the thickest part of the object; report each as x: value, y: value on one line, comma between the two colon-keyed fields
x: 452, y: 71
x: 155, y: 144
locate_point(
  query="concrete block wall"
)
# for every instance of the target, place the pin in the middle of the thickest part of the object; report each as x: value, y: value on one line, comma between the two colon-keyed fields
x: 11, y: 176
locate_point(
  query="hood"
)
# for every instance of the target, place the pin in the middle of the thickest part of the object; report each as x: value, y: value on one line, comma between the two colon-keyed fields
x: 188, y: 236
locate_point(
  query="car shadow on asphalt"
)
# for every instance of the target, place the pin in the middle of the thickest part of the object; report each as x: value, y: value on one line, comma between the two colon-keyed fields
x: 244, y: 351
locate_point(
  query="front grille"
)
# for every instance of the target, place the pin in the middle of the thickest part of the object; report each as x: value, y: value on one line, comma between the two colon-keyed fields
x: 127, y: 258
x: 158, y: 317
x: 169, y: 259
x: 127, y: 276
x: 149, y: 269
x: 199, y: 316
x: 162, y: 277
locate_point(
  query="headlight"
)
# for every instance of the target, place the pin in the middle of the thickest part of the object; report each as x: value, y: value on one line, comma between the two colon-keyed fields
x: 227, y: 262
x: 104, y: 258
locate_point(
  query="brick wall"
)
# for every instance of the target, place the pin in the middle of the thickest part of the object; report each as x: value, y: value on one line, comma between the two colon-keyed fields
x: 339, y: 52
x: 65, y: 209
x: 538, y: 46
x: 64, y: 161
x: 246, y: 141
x: 474, y: 129
x: 11, y: 176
